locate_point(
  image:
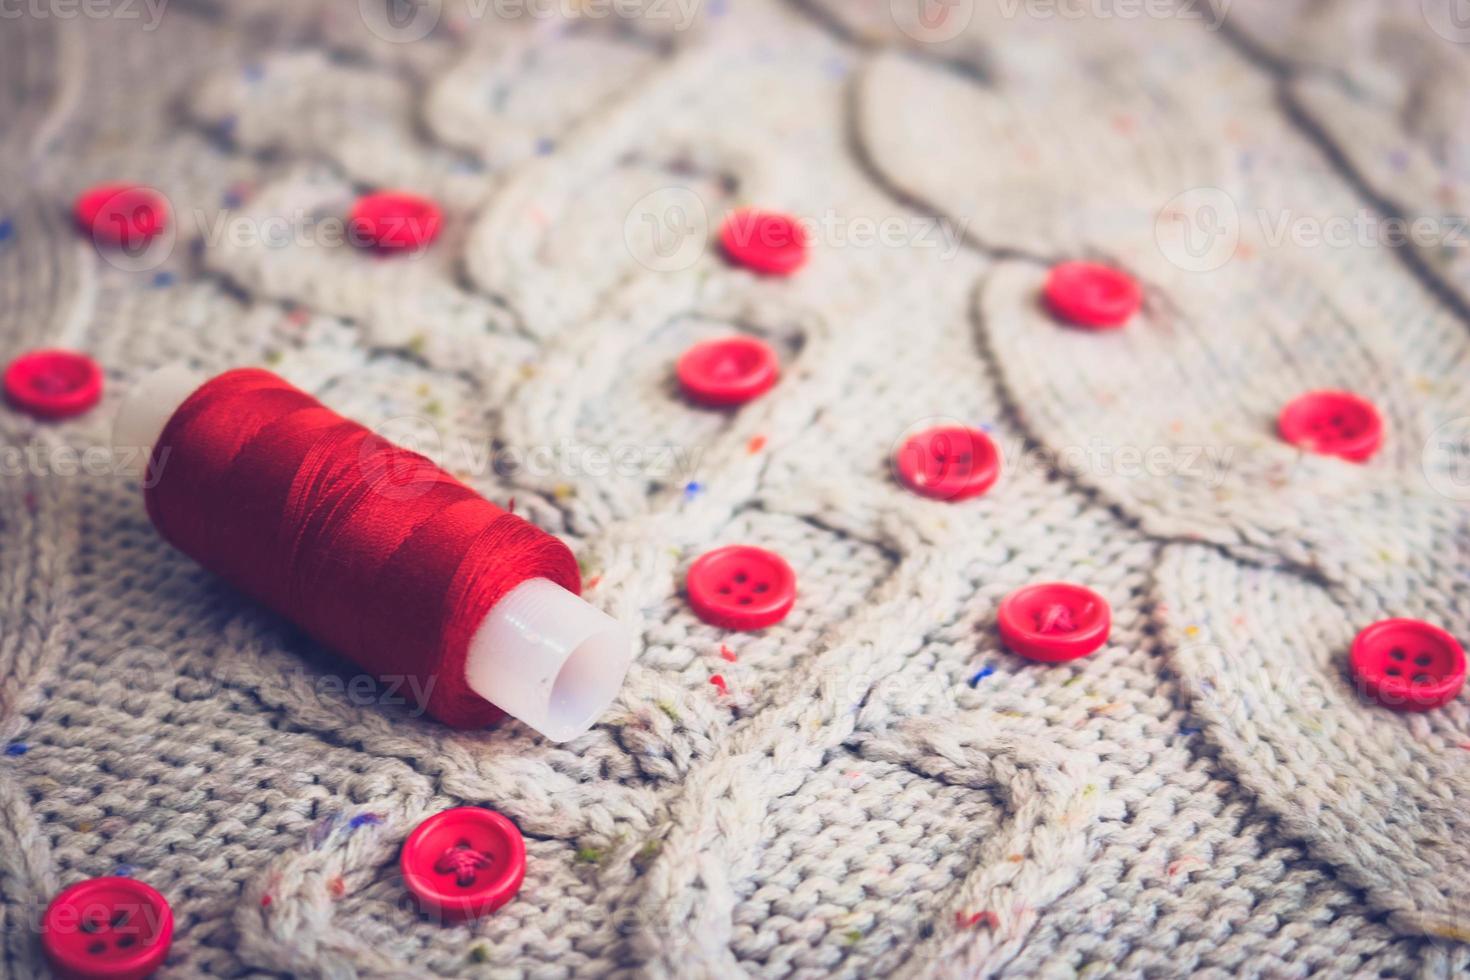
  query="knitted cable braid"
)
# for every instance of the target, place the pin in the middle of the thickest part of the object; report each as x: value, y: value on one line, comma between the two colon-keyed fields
x: 876, y: 786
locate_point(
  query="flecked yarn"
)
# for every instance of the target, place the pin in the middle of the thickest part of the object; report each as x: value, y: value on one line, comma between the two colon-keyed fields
x: 875, y: 786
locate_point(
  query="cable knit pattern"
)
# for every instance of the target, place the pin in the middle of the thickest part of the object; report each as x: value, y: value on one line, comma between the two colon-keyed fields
x: 877, y: 787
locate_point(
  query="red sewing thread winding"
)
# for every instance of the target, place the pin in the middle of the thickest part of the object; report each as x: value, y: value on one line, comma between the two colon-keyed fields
x: 370, y: 548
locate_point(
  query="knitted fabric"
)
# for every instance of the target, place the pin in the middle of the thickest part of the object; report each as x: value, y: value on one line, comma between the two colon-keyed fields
x: 882, y: 788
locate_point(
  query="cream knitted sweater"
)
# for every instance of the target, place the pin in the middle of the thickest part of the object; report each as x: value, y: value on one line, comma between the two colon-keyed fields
x: 884, y: 789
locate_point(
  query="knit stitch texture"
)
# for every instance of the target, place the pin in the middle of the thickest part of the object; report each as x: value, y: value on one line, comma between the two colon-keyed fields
x: 878, y: 787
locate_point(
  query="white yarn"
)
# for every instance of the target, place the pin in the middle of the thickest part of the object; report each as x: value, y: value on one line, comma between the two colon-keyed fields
x: 885, y: 790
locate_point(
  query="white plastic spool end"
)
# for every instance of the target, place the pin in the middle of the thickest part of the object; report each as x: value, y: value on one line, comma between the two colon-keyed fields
x: 542, y: 655
x: 549, y: 658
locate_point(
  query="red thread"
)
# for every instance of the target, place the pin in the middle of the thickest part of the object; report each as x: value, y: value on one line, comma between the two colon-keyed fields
x: 370, y: 548
x: 719, y: 682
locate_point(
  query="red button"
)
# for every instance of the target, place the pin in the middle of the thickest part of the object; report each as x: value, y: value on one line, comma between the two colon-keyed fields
x: 741, y: 588
x: 115, y: 928
x: 464, y: 863
x: 1408, y: 665
x: 128, y: 215
x: 1333, y: 423
x: 1054, y: 621
x: 731, y: 371
x: 395, y: 221
x: 53, y: 384
x: 948, y: 463
x: 764, y: 241
x: 1087, y: 294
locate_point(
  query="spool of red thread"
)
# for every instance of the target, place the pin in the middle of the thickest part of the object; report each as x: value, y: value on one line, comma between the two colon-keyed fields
x: 374, y: 551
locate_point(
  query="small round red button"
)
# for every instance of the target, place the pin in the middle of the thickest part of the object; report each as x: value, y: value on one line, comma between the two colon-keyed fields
x: 1054, y: 621
x: 741, y: 588
x: 394, y: 221
x: 112, y: 928
x: 764, y: 241
x: 53, y: 384
x: 464, y: 863
x: 1333, y: 423
x: 1408, y: 665
x: 126, y: 215
x: 730, y: 371
x: 948, y: 463
x: 1087, y: 294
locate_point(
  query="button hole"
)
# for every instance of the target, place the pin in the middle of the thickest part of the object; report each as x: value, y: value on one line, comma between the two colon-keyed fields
x: 97, y: 946
x: 1423, y: 660
x: 1423, y: 679
x: 745, y: 600
x: 763, y: 587
x: 1397, y: 654
x: 120, y: 917
x: 1394, y: 671
x: 92, y: 925
x: 741, y: 577
x: 123, y: 942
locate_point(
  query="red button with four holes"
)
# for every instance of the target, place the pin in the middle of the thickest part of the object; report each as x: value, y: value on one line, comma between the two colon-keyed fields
x: 1088, y: 294
x: 948, y: 463
x: 126, y: 215
x: 464, y: 863
x: 764, y: 241
x: 114, y: 928
x: 1333, y: 423
x: 394, y: 221
x: 741, y: 588
x: 1054, y: 621
x: 1408, y: 665
x: 53, y: 384
x: 730, y: 371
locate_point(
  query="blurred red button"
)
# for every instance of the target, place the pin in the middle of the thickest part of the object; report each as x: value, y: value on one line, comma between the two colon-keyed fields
x: 394, y: 221
x: 1408, y: 665
x: 730, y: 371
x: 948, y: 463
x: 125, y: 215
x: 764, y: 241
x: 53, y: 384
x: 741, y: 588
x: 107, y: 929
x: 1333, y: 423
x: 1088, y: 294
x: 464, y: 863
x: 1054, y: 621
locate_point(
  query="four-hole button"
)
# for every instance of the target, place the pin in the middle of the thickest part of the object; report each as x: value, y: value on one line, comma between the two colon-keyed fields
x: 464, y: 863
x: 1408, y: 665
x: 113, y: 928
x: 741, y: 588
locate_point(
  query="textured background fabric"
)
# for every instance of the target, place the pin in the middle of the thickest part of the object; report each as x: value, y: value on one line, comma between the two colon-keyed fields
x: 884, y: 789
